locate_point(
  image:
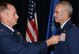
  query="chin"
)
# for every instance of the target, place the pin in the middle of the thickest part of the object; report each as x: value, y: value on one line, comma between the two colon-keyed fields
x: 15, y: 24
x: 56, y: 21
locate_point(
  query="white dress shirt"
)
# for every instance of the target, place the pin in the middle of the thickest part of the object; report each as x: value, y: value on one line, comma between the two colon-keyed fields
x: 64, y: 23
x: 8, y: 27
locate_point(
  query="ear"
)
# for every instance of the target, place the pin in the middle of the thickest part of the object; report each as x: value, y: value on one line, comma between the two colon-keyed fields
x: 66, y: 13
x: 2, y: 14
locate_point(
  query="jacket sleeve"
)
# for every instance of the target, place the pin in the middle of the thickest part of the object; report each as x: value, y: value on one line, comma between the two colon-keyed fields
x: 10, y: 45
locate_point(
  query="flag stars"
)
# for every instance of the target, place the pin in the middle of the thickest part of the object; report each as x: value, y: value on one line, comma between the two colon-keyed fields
x: 32, y: 6
x: 31, y: 17
x: 32, y: 2
x: 28, y: 12
x: 29, y: 4
x: 31, y: 13
x: 31, y: 9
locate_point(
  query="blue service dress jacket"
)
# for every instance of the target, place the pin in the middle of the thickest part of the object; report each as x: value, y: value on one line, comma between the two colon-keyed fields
x: 71, y: 43
x: 12, y: 43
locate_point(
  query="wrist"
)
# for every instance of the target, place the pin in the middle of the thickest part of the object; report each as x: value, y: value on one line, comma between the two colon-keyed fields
x: 48, y: 42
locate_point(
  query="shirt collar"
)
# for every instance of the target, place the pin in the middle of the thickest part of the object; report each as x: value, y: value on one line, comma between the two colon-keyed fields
x: 64, y: 23
x: 9, y: 27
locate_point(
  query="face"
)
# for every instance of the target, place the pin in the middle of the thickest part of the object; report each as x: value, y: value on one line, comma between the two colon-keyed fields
x: 59, y: 14
x: 11, y: 15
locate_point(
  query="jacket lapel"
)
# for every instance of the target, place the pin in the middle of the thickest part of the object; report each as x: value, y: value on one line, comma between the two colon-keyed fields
x: 67, y: 27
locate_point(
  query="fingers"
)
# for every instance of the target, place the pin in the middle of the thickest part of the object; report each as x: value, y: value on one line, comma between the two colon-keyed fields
x: 53, y: 40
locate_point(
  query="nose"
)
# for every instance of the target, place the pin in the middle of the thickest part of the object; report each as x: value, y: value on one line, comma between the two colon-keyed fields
x: 17, y: 16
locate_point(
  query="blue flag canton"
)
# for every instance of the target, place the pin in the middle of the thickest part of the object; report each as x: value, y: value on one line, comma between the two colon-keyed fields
x: 32, y: 9
x: 52, y: 28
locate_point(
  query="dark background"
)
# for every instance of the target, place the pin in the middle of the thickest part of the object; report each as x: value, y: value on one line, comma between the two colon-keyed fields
x: 43, y: 7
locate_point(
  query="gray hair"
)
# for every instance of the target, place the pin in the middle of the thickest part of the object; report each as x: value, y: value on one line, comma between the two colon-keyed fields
x: 3, y: 6
x: 67, y: 6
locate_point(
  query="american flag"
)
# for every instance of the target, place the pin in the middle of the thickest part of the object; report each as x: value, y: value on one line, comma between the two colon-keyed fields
x: 32, y: 28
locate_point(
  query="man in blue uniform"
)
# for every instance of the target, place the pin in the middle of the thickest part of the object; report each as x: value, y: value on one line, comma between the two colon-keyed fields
x: 11, y: 41
x: 70, y: 45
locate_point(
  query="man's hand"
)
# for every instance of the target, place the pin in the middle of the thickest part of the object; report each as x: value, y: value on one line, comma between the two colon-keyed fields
x: 53, y: 40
